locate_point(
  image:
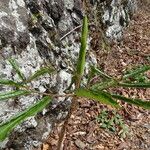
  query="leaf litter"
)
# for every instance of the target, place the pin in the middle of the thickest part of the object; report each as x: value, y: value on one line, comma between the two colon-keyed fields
x: 83, y: 132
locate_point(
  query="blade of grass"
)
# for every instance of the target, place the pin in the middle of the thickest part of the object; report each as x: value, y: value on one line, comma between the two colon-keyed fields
x: 8, y: 126
x: 16, y: 68
x: 98, y: 96
x: 12, y: 94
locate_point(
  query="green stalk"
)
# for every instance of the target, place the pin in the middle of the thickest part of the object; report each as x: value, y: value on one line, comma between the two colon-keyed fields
x: 82, y: 53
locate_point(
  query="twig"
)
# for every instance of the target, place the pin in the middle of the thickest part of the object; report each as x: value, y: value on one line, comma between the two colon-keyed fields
x: 79, y: 26
x: 48, y: 94
x: 70, y: 32
x: 52, y: 95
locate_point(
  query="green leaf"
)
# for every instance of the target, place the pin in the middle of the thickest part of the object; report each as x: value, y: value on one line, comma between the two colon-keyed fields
x: 100, y: 73
x: 137, y: 102
x: 10, y: 83
x: 104, y: 85
x: 137, y: 72
x: 9, y: 125
x: 16, y: 68
x: 12, y: 94
x: 90, y: 75
x: 136, y: 85
x: 95, y: 71
x: 82, y: 53
x: 98, y: 96
x: 39, y: 73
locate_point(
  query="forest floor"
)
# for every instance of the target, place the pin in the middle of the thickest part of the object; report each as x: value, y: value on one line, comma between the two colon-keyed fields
x: 132, y: 132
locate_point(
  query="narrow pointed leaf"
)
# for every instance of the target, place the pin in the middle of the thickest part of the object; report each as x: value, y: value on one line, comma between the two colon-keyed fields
x: 40, y: 72
x: 70, y: 86
x: 16, y: 68
x: 13, y: 94
x: 9, y: 125
x: 82, y: 53
x: 98, y: 96
x: 104, y: 85
x: 100, y: 73
x: 90, y: 75
x: 10, y: 83
x: 137, y: 102
x: 136, y: 85
x: 137, y: 72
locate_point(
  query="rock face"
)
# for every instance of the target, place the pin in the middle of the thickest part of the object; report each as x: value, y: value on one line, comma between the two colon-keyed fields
x: 30, y: 32
x: 113, y: 15
x: 117, y: 14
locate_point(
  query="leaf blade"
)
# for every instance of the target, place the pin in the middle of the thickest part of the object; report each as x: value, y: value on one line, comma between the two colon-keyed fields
x: 16, y: 68
x: 13, y: 94
x: 136, y: 72
x: 104, y: 85
x: 10, y: 83
x: 8, y: 126
x: 137, y: 102
x: 98, y: 96
x: 136, y: 85
x: 39, y: 73
x: 100, y: 73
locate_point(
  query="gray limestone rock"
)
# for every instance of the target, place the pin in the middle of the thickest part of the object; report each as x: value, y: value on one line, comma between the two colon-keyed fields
x: 30, y: 32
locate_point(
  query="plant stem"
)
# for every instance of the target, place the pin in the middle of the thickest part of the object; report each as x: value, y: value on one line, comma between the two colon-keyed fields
x: 53, y: 95
x: 49, y: 94
x: 78, y: 75
x: 63, y: 129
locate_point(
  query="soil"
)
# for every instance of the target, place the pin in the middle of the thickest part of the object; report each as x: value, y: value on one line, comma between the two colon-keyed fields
x: 83, y: 131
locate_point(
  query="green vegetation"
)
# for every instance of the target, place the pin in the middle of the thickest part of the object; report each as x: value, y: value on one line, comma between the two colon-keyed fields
x: 96, y: 91
x: 33, y: 110
x: 113, y: 122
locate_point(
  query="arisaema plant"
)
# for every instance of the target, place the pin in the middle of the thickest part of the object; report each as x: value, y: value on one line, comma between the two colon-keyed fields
x: 96, y: 91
